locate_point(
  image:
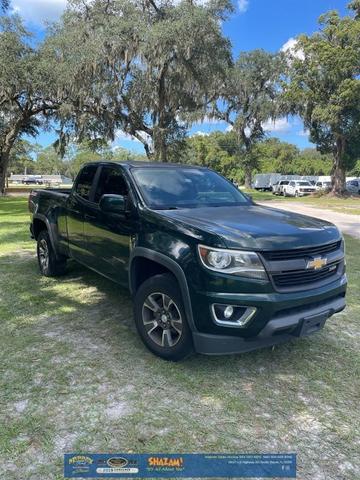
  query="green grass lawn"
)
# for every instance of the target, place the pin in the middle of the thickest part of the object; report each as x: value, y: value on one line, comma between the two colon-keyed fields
x: 343, y: 205
x: 74, y: 376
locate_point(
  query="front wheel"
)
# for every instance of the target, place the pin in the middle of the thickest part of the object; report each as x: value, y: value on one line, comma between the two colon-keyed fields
x: 50, y: 265
x: 160, y: 318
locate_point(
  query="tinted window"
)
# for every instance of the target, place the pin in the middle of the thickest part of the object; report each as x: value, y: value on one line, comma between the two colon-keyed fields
x: 111, y: 181
x: 164, y: 187
x: 292, y: 184
x: 85, y: 180
x: 285, y: 182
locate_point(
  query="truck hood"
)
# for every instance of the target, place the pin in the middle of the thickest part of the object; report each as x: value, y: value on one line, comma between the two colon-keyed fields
x: 257, y: 227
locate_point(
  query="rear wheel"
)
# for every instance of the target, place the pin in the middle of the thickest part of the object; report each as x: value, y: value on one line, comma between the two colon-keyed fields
x: 160, y: 318
x: 49, y: 264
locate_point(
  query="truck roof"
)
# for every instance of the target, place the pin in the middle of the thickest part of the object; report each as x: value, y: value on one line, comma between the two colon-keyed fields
x: 137, y: 163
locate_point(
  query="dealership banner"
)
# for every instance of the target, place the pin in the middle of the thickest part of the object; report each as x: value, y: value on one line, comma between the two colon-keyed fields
x: 188, y: 465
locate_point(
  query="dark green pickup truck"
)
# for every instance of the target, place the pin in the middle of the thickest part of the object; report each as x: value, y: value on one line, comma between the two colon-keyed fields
x: 209, y: 270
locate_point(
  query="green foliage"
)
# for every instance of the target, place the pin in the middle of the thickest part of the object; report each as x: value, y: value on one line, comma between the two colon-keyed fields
x: 28, y: 158
x: 276, y: 156
x: 219, y: 151
x: 49, y: 162
x: 249, y: 99
x: 286, y: 158
x: 24, y: 105
x: 143, y: 67
x: 4, y: 5
x: 356, y: 169
x: 324, y: 88
x: 21, y: 157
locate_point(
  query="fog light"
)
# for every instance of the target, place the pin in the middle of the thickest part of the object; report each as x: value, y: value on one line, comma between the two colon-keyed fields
x: 229, y: 310
x: 232, y: 315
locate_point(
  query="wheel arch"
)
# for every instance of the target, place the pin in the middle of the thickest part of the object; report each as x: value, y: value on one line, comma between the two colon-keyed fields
x: 41, y: 222
x: 166, y: 264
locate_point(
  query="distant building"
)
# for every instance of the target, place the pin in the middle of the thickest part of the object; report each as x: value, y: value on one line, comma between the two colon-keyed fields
x: 40, y: 179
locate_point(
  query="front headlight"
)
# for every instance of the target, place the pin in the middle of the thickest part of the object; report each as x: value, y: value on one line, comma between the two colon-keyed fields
x: 235, y: 262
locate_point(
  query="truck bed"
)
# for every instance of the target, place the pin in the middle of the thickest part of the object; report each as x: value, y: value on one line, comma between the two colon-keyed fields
x: 63, y: 191
x: 46, y: 200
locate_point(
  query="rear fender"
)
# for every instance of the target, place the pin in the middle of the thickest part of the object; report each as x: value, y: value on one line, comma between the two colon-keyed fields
x: 52, y: 231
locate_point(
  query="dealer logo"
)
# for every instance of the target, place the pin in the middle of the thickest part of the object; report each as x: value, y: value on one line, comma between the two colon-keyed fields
x: 118, y: 462
x: 80, y: 460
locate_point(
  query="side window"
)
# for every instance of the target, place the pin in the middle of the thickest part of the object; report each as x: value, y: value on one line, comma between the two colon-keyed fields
x: 111, y: 181
x: 292, y: 184
x: 85, y: 180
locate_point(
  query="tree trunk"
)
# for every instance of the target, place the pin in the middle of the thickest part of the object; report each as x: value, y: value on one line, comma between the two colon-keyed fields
x: 160, y: 131
x: 160, y: 147
x: 248, y: 176
x: 338, y: 176
x: 6, y: 144
x: 4, y: 163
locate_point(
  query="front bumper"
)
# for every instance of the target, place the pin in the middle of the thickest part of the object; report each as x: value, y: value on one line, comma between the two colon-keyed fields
x: 283, y: 326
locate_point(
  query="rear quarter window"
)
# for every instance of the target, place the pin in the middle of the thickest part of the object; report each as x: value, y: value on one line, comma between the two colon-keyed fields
x: 85, y: 181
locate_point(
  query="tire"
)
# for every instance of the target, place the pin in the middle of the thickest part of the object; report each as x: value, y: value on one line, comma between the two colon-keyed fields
x: 49, y: 264
x: 158, y: 308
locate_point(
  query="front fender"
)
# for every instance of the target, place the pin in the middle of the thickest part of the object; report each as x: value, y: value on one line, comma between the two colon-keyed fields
x: 173, y: 267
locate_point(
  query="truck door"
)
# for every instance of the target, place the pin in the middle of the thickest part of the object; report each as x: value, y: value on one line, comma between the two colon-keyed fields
x: 80, y: 197
x: 108, y: 235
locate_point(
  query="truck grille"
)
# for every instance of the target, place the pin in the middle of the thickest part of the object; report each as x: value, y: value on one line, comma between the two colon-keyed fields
x: 301, y: 252
x: 297, y: 278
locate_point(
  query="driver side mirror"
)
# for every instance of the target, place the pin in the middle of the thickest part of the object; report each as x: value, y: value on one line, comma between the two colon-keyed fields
x: 113, y: 203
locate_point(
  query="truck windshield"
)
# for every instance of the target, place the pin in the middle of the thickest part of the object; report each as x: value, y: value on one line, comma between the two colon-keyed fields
x: 167, y: 187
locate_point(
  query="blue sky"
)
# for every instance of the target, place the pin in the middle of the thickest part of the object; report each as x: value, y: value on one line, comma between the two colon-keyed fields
x: 255, y: 24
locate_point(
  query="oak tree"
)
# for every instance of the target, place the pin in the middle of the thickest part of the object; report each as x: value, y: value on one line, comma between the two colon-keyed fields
x: 324, y: 88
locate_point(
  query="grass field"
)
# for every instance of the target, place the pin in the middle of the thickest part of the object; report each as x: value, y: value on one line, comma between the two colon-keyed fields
x: 74, y: 376
x: 343, y: 205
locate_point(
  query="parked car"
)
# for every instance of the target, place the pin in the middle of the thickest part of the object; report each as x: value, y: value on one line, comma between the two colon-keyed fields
x: 208, y: 270
x: 353, y: 186
x: 278, y: 187
x: 298, y: 188
x: 323, y: 186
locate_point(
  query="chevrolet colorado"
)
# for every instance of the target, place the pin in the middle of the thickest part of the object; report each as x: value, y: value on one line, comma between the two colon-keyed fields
x: 209, y: 270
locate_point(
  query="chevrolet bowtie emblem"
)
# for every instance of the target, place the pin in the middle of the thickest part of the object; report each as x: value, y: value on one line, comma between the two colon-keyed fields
x: 316, y: 263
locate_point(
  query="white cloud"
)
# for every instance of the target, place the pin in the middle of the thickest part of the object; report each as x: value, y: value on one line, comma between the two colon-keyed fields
x: 121, y: 135
x: 38, y: 11
x: 303, y: 133
x: 200, y: 133
x: 279, y: 125
x: 243, y: 5
x: 229, y: 128
x: 291, y: 47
